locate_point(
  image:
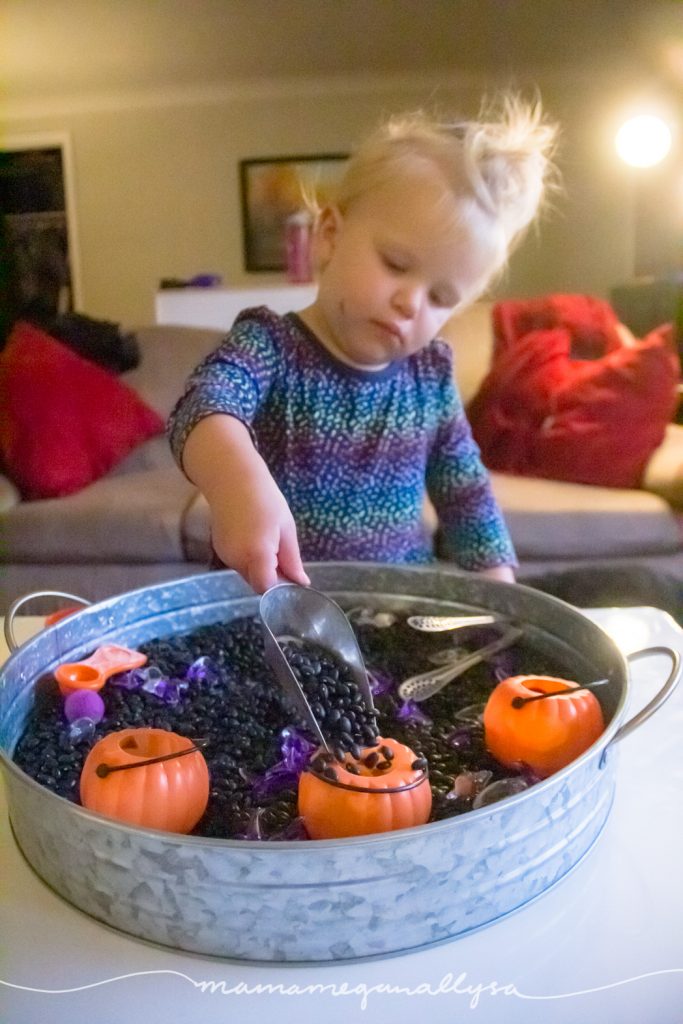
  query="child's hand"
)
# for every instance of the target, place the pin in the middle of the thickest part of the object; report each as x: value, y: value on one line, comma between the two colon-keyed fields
x: 252, y: 528
x: 253, y: 531
x: 504, y: 573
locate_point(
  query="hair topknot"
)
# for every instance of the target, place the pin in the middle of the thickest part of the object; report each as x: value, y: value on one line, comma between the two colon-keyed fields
x: 502, y: 160
x: 508, y: 161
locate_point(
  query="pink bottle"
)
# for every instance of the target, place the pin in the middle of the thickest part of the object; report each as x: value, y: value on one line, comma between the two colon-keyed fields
x: 298, y: 247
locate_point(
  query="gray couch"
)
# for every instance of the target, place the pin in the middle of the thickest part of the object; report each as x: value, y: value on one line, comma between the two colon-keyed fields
x: 145, y: 523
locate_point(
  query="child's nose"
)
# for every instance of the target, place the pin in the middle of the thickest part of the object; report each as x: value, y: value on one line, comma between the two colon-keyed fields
x: 407, y: 299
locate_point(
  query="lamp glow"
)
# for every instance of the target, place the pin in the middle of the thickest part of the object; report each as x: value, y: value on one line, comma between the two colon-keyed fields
x: 643, y: 141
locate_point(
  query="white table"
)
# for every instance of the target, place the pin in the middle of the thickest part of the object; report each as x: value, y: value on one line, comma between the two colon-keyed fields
x: 605, y: 946
x: 218, y: 307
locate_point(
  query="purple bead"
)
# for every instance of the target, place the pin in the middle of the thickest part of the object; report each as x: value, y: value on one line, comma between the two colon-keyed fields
x: 84, y: 704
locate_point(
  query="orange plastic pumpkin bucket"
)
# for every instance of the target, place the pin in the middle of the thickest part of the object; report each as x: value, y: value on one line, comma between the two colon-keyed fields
x: 147, y: 777
x: 544, y: 734
x: 382, y: 793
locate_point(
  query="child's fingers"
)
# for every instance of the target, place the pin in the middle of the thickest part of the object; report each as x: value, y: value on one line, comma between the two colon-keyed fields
x: 261, y: 571
x: 289, y: 557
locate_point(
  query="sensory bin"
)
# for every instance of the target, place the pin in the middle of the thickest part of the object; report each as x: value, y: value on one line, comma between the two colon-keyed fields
x: 213, y: 685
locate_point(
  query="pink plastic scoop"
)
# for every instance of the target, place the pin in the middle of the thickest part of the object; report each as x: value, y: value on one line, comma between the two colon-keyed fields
x: 93, y: 672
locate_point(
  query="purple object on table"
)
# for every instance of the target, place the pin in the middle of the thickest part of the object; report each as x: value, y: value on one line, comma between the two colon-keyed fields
x: 84, y: 704
x: 205, y: 281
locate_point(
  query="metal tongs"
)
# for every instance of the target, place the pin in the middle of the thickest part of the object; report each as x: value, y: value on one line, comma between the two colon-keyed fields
x: 289, y: 611
x: 425, y: 685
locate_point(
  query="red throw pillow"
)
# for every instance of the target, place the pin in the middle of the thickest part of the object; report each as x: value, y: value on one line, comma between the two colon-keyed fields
x: 540, y: 412
x: 64, y: 422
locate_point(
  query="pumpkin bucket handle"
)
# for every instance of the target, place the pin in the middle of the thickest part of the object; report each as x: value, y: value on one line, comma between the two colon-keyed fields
x: 103, y: 770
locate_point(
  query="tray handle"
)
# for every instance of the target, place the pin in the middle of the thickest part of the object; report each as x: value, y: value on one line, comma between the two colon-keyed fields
x: 662, y: 694
x: 21, y: 601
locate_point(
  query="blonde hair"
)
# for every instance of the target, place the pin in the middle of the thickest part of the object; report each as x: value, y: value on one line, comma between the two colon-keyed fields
x: 499, y: 165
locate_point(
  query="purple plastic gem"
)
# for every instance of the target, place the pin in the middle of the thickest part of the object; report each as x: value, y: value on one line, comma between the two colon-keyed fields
x: 254, y: 827
x: 172, y: 691
x: 380, y: 683
x: 296, y: 749
x: 498, y: 791
x: 459, y: 739
x: 202, y: 670
x: 294, y: 830
x: 81, y: 729
x: 84, y: 704
x: 131, y: 680
x: 154, y: 682
x: 273, y: 780
x: 410, y: 711
x: 472, y: 716
x: 467, y: 785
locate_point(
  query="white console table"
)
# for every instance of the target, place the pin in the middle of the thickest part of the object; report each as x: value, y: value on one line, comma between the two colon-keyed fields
x: 218, y: 307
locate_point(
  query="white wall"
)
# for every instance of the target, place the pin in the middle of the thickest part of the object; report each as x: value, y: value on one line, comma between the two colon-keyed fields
x: 157, y: 192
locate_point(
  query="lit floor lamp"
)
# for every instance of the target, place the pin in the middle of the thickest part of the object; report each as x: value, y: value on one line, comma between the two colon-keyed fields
x: 655, y: 295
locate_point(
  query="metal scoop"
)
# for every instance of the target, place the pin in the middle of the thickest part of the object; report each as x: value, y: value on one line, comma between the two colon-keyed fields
x: 289, y: 611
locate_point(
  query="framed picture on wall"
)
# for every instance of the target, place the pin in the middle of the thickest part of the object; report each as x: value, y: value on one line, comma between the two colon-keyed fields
x: 37, y: 200
x: 272, y: 189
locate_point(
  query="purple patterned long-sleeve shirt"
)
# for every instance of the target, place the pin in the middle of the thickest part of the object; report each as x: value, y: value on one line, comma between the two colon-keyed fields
x: 353, y: 450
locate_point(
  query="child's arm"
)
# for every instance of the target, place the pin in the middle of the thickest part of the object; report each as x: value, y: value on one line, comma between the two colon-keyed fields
x: 474, y: 533
x: 252, y: 528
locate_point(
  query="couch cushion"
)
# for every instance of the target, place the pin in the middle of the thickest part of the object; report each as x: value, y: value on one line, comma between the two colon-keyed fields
x: 470, y: 335
x: 547, y: 519
x: 196, y: 530
x: 553, y: 519
x: 168, y: 355
x: 65, y: 421
x: 9, y: 495
x: 131, y: 518
x: 153, y: 454
x: 545, y: 412
x: 664, y: 472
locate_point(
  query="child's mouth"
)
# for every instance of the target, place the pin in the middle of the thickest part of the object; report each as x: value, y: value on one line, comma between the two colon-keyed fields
x: 390, y: 331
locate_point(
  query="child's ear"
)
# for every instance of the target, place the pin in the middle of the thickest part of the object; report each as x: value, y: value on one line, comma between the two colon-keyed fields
x: 326, y: 234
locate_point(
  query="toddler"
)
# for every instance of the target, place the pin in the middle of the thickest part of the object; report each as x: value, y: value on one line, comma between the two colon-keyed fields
x: 315, y: 435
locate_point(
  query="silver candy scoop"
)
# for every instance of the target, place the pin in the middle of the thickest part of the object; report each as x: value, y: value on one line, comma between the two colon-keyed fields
x: 425, y: 685
x: 446, y: 623
x: 291, y: 612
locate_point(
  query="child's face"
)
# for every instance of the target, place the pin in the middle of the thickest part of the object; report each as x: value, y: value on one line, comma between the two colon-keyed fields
x: 395, y: 266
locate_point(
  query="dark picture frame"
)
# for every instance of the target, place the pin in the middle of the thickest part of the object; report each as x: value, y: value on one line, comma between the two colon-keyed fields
x: 271, y: 189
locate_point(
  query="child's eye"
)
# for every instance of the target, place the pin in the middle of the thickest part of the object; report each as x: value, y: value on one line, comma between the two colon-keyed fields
x: 440, y: 299
x: 393, y: 264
